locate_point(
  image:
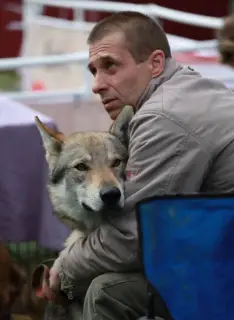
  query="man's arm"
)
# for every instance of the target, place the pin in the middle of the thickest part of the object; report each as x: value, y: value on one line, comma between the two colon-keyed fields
x: 164, y: 158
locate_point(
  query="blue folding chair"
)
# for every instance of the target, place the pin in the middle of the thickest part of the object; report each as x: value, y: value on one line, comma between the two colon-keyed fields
x: 187, y: 251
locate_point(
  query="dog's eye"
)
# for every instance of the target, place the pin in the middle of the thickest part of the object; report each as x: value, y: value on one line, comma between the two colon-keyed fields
x: 116, y: 163
x: 81, y: 167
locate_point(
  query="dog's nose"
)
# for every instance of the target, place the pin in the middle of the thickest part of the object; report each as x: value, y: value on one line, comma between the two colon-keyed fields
x: 110, y: 196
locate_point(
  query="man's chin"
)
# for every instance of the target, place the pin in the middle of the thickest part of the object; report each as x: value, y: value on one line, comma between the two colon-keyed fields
x: 113, y: 109
x: 113, y: 114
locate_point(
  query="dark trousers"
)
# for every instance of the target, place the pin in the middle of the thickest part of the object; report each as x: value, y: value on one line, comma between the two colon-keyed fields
x: 111, y: 296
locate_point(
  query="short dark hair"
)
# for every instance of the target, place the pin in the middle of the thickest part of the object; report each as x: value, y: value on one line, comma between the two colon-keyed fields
x: 143, y: 35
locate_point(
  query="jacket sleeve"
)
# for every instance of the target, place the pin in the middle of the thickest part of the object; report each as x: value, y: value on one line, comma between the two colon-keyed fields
x: 164, y: 158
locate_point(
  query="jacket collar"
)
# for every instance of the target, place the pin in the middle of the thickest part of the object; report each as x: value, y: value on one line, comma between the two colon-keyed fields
x: 171, y: 67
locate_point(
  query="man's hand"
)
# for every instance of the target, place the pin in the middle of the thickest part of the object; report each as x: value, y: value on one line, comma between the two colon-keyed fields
x: 54, y: 280
x: 50, y: 284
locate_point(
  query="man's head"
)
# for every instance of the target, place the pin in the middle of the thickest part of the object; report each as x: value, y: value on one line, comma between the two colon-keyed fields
x: 126, y: 50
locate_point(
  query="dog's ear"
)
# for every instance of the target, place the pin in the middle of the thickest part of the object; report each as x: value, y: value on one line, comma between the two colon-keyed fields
x: 52, y: 142
x: 120, y: 126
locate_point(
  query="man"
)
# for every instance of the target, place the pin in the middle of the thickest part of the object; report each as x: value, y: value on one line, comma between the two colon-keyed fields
x: 181, y: 141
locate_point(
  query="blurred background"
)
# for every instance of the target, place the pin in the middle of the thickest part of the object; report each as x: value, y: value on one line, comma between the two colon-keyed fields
x: 35, y: 29
x: 43, y: 59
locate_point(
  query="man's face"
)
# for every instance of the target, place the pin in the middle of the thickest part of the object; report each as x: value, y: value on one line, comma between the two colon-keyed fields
x: 118, y: 79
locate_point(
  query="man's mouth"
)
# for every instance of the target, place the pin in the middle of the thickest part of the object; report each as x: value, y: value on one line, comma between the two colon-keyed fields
x: 108, y: 101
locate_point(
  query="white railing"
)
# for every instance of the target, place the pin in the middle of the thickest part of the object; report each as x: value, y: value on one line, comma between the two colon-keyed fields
x: 32, y: 13
x: 44, y: 96
x: 150, y: 9
x: 80, y: 57
x: 22, y: 62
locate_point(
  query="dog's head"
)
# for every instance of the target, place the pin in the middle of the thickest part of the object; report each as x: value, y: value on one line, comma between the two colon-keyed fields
x: 87, y: 168
x: 12, y: 280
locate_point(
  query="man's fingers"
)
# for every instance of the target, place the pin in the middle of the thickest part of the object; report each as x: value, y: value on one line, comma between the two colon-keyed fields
x: 46, y: 290
x: 54, y: 280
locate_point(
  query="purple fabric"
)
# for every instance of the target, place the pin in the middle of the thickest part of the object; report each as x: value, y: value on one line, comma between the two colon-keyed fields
x: 26, y: 213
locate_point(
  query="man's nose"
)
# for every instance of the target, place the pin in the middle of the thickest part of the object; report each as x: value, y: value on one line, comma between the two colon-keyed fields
x: 99, y: 85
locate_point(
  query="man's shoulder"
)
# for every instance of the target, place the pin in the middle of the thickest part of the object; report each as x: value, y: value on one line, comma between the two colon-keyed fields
x: 200, y: 106
x: 188, y: 97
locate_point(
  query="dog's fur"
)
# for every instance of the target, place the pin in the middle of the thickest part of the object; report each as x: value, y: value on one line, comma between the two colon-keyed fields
x: 86, y: 173
x: 12, y: 280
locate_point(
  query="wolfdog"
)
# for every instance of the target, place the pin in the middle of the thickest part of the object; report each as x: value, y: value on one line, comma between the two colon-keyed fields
x: 86, y: 174
x: 86, y: 182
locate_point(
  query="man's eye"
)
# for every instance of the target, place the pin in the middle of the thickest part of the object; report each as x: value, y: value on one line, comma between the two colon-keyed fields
x: 109, y: 64
x: 93, y: 72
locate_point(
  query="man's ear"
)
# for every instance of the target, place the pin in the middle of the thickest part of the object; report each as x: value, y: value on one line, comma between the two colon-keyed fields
x: 52, y: 142
x: 157, y: 63
x: 120, y: 126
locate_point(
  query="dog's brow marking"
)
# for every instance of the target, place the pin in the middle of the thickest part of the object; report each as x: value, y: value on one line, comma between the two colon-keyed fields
x: 114, y: 156
x: 78, y: 160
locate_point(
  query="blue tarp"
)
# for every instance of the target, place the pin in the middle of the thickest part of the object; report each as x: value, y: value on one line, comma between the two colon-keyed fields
x: 188, y: 254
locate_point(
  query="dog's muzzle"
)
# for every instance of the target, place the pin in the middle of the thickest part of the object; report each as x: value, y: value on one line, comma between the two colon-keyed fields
x: 110, y: 196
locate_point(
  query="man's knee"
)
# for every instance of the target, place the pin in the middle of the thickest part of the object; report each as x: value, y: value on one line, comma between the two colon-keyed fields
x: 113, y: 283
x: 116, y: 296
x: 109, y: 281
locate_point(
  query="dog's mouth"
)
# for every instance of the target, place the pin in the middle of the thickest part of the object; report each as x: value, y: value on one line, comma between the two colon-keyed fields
x: 105, y: 208
x: 86, y: 207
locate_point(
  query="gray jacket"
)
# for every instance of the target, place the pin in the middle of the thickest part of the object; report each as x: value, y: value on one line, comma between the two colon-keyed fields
x: 181, y: 141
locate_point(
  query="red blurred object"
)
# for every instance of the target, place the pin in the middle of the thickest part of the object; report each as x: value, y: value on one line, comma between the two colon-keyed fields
x: 12, y: 38
x: 38, y: 86
x: 191, y: 57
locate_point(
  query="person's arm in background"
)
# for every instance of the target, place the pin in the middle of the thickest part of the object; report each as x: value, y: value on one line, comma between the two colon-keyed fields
x: 164, y: 158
